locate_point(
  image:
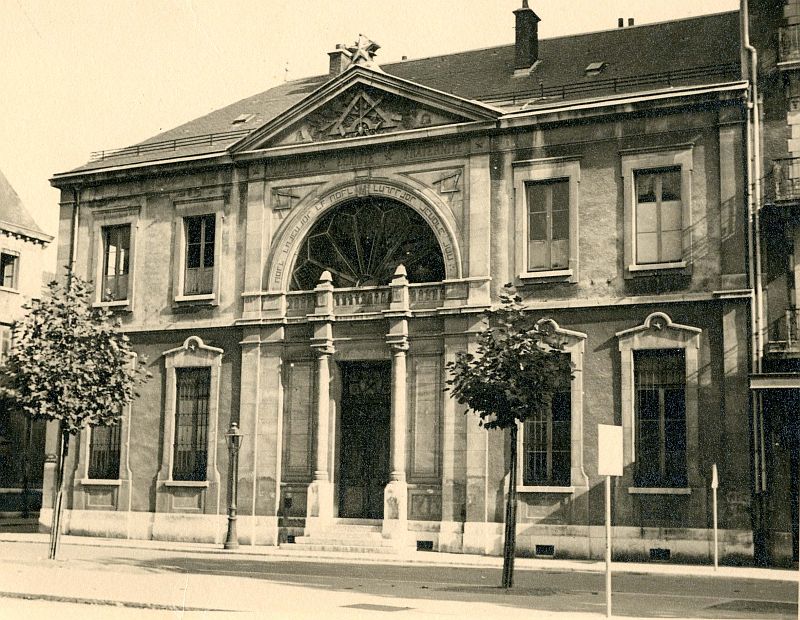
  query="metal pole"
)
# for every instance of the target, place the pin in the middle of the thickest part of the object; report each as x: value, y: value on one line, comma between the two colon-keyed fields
x: 714, y: 485
x: 232, y: 538
x: 608, y: 546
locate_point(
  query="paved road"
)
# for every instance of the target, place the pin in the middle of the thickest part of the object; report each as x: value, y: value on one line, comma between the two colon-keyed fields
x: 386, y: 587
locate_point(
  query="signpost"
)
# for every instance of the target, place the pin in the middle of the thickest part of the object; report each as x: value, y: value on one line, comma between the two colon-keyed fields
x: 609, y: 463
x: 714, y: 486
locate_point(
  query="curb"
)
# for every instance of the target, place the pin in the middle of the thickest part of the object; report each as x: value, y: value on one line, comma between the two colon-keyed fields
x: 425, y: 558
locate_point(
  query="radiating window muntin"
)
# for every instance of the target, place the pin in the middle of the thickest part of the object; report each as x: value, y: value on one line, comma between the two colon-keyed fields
x: 200, y: 233
x: 660, y: 381
x: 104, y: 450
x: 659, y: 216
x: 548, y: 224
x: 547, y: 441
x: 193, y: 389
x: 363, y: 241
x: 116, y: 262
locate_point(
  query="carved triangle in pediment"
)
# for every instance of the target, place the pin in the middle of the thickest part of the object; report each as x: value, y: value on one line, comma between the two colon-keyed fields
x: 363, y: 111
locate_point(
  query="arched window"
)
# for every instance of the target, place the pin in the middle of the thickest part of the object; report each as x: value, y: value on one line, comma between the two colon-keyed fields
x: 363, y: 241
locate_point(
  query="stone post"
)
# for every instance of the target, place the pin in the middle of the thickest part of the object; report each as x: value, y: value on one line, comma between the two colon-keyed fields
x: 395, y: 497
x: 320, y: 491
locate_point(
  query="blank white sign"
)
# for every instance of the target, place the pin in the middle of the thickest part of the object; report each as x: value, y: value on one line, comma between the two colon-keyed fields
x: 609, y: 450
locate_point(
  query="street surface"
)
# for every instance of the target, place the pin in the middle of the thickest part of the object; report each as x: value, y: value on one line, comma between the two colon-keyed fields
x: 90, y: 582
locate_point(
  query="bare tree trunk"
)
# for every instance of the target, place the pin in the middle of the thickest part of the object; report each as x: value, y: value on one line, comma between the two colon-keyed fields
x: 510, y: 539
x: 55, y: 530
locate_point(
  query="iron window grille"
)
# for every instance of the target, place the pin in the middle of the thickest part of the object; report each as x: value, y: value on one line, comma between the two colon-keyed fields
x: 547, y: 443
x: 191, y: 424
x: 104, y: 449
x: 660, y: 380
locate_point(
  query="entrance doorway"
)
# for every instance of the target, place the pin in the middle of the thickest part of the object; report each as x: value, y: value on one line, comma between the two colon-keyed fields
x: 364, y: 453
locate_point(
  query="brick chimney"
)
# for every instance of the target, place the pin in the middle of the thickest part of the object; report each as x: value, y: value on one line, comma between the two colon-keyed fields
x: 340, y: 59
x: 527, y: 40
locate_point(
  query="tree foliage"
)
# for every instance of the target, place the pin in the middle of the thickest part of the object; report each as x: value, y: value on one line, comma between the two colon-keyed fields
x: 70, y: 362
x: 515, y: 371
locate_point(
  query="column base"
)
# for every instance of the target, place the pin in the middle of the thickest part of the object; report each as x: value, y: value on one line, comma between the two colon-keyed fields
x: 320, y: 499
x: 395, y: 511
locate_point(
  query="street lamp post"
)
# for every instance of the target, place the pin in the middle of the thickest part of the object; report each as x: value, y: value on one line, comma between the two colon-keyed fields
x: 234, y: 438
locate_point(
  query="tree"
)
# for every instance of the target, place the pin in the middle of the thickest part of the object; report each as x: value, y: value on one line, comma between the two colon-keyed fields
x: 70, y: 363
x: 516, y: 370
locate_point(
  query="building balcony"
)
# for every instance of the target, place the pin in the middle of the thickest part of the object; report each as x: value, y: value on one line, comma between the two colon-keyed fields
x: 789, y: 44
x: 783, y: 183
x: 783, y: 337
x: 367, y: 302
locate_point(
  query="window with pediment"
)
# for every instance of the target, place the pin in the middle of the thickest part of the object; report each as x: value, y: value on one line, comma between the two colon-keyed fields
x: 363, y: 241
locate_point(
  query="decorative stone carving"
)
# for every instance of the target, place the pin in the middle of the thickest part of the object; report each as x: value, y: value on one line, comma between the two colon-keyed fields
x: 363, y: 111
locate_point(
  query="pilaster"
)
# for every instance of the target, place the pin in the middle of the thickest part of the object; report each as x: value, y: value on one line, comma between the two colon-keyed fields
x: 320, y: 491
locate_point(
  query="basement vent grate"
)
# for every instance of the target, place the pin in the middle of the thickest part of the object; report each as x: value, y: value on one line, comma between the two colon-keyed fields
x: 424, y: 545
x: 658, y: 554
x: 545, y: 550
x: 290, y: 539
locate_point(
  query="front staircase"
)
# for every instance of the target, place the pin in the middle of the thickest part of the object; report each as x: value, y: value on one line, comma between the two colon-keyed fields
x: 348, y: 536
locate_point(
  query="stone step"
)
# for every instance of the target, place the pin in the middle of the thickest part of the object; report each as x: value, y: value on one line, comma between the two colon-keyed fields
x: 350, y: 530
x: 343, y: 542
x: 354, y: 521
x: 349, y: 548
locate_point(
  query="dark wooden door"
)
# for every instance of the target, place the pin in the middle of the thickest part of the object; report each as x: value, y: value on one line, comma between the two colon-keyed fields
x: 364, y: 452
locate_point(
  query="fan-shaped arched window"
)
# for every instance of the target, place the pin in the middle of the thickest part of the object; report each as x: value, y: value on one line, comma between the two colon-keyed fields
x: 363, y: 241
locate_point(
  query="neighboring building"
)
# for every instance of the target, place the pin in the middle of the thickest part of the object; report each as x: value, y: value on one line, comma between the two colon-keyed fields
x: 254, y: 256
x: 22, y: 246
x: 775, y: 35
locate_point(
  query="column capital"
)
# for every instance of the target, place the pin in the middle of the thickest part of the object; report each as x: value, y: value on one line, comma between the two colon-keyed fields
x: 398, y: 344
x: 323, y: 347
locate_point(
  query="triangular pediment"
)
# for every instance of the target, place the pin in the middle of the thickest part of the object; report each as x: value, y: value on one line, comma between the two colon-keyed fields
x: 364, y: 102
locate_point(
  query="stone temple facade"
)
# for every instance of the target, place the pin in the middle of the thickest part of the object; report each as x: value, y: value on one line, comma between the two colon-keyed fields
x: 306, y: 261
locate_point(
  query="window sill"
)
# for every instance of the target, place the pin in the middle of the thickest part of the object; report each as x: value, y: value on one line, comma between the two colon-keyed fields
x: 196, y: 484
x: 8, y: 289
x: 545, y: 275
x: 122, y: 304
x: 205, y: 297
x: 657, y: 266
x: 545, y: 489
x: 100, y: 482
x: 660, y: 490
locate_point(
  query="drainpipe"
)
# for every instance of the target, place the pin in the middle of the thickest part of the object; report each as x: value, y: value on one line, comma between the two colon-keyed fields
x: 754, y: 171
x: 73, y: 242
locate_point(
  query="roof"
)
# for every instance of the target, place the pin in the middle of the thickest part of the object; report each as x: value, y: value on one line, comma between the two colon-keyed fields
x: 699, y: 50
x: 14, y: 217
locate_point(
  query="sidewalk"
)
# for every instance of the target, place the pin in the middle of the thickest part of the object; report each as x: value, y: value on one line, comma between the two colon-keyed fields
x: 416, y: 558
x: 109, y: 586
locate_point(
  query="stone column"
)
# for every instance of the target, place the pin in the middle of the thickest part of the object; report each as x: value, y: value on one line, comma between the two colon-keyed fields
x: 395, y: 496
x: 320, y: 491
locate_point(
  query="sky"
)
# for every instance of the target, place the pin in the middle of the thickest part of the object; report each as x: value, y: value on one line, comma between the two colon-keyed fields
x: 81, y: 76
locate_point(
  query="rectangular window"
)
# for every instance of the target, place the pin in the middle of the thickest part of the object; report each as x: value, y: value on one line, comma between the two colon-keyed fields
x: 5, y: 343
x: 104, y: 452
x: 548, y: 224
x: 9, y: 265
x: 116, y: 262
x: 660, y: 380
x: 659, y: 219
x: 191, y: 423
x: 546, y: 453
x: 199, y: 270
